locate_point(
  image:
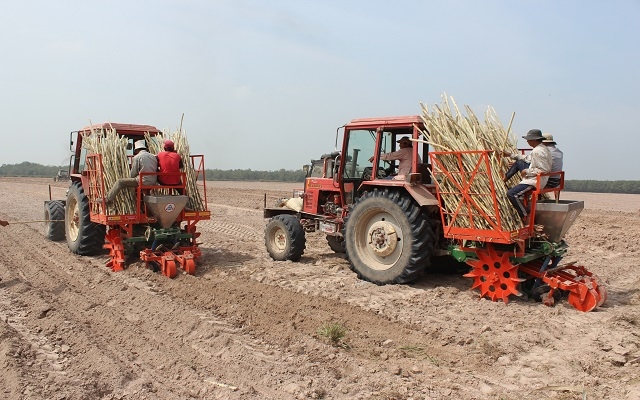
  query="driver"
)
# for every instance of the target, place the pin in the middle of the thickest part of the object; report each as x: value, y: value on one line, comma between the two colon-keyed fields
x: 404, y: 156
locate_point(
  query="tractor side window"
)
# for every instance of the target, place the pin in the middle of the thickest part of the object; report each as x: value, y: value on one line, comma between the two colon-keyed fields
x: 83, y: 157
x: 361, y: 146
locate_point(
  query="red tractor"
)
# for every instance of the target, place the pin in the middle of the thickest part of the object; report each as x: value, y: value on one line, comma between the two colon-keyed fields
x: 393, y: 229
x: 160, y: 230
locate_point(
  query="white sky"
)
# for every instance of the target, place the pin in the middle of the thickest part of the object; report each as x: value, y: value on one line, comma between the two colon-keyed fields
x: 265, y: 84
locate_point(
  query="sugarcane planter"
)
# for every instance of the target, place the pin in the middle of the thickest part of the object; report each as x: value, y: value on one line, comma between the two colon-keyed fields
x: 157, y: 223
x: 506, y: 261
x: 393, y: 228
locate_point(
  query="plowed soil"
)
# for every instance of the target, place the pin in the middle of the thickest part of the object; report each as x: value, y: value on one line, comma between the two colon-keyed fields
x: 246, y: 327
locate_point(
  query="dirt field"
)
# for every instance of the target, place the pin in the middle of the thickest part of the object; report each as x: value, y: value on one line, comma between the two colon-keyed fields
x: 245, y: 327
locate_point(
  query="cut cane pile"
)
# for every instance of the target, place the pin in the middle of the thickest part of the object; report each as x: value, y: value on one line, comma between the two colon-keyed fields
x: 448, y: 130
x: 116, y: 165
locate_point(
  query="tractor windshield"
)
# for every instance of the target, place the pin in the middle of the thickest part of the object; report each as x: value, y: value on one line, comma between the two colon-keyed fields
x: 360, y: 148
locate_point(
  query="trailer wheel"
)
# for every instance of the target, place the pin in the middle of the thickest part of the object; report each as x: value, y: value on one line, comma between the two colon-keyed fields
x: 54, y: 215
x: 284, y: 238
x: 83, y: 236
x: 389, y: 239
x: 336, y: 243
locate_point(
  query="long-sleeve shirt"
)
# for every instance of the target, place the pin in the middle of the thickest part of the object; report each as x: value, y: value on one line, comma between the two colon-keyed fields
x: 169, y: 161
x: 540, y: 161
x: 145, y: 162
x: 556, y: 159
x: 404, y: 156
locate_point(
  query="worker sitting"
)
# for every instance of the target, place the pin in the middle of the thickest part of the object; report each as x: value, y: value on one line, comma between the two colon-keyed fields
x: 169, y: 165
x: 143, y: 161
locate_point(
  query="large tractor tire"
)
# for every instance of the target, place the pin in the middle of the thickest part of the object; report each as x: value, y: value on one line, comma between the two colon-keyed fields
x: 54, y: 217
x: 389, y: 238
x: 84, y: 237
x: 336, y: 243
x: 284, y: 238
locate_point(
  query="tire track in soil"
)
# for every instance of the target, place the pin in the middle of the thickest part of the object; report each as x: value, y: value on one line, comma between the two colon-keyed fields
x: 224, y: 219
x: 109, y: 343
x: 583, y: 349
x: 126, y: 360
x: 214, y: 227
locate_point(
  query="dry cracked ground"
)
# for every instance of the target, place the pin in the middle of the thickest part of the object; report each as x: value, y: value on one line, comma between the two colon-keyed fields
x: 246, y: 327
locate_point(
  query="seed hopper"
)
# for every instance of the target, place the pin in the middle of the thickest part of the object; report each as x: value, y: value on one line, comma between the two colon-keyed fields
x: 508, y: 261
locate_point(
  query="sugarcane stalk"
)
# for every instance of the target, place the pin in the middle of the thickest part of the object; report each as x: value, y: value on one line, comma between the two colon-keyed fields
x: 447, y: 129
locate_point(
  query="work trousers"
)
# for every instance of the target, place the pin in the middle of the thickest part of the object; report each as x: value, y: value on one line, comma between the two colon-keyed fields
x: 516, y: 196
x: 119, y: 185
x: 517, y: 166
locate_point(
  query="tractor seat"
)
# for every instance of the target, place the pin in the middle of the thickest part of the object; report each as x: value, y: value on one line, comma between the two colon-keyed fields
x: 425, y: 170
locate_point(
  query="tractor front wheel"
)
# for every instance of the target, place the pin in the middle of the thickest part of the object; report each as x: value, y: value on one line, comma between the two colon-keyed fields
x: 336, y: 243
x: 284, y: 238
x: 389, y: 238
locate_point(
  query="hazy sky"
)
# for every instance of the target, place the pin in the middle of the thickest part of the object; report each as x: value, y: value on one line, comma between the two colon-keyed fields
x: 265, y: 84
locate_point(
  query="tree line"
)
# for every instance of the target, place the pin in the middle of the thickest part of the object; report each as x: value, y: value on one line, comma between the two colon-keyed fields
x: 27, y: 169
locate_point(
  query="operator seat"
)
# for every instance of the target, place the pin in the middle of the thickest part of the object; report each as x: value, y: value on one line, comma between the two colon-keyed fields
x: 425, y: 171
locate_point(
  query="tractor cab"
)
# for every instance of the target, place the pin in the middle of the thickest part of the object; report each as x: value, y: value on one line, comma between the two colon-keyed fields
x: 366, y: 140
x: 376, y: 136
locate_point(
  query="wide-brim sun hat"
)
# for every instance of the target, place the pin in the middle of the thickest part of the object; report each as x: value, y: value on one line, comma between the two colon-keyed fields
x: 548, y: 138
x: 140, y: 144
x: 404, y: 139
x: 534, y: 134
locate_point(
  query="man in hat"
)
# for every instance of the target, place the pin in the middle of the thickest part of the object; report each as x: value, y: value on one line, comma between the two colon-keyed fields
x: 556, y: 165
x: 404, y: 156
x: 169, y: 162
x: 143, y: 161
x: 556, y: 160
x: 539, y: 162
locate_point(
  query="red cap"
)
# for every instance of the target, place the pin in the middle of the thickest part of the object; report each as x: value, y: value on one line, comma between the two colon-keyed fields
x: 168, y: 144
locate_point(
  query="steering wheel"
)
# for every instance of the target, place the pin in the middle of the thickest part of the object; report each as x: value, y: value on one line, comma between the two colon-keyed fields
x: 366, y: 174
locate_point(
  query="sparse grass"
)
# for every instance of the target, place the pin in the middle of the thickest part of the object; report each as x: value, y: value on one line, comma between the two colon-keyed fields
x: 412, y: 350
x: 418, y: 351
x: 334, y: 331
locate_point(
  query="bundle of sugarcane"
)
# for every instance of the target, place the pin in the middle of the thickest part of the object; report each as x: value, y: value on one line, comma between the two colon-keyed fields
x: 181, y: 146
x: 448, y: 130
x: 115, y: 165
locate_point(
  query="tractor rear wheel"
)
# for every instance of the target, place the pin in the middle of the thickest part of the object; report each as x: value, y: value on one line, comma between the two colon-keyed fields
x: 284, y: 238
x: 83, y: 236
x: 54, y: 215
x: 388, y: 237
x: 336, y: 243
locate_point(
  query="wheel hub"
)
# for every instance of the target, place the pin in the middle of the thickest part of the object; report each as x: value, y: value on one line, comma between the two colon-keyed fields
x: 280, y: 239
x: 383, y: 238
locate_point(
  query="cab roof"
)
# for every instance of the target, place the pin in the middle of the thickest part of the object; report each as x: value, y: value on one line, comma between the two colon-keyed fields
x: 367, y: 123
x: 124, y: 129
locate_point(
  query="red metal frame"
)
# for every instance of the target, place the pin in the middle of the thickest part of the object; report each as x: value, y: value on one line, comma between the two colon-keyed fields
x: 463, y: 181
x: 93, y: 183
x: 468, y: 208
x: 121, y: 226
